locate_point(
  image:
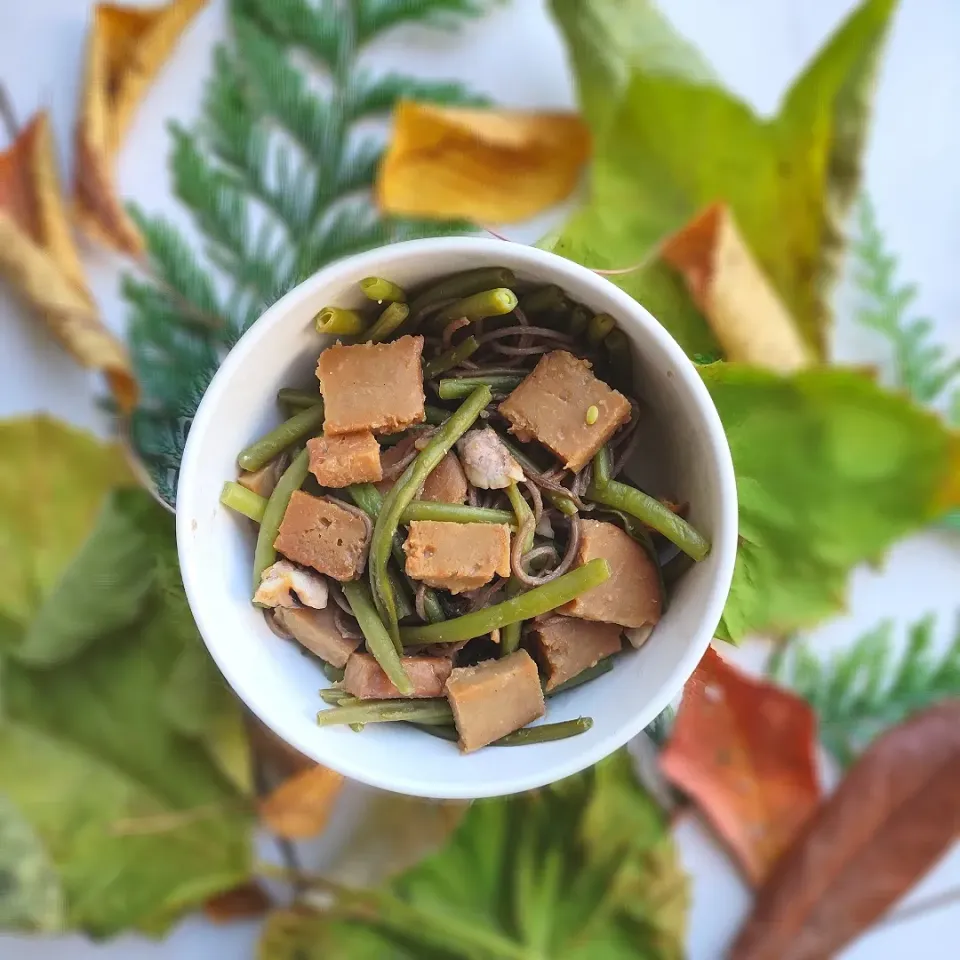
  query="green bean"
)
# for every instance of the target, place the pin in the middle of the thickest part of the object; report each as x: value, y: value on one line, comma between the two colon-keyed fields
x: 453, y: 513
x: 486, y: 303
x: 620, y: 353
x: 543, y: 299
x: 460, y: 285
x: 338, y: 322
x: 271, y: 445
x: 298, y: 398
x: 334, y: 695
x: 239, y: 498
x: 383, y: 291
x: 435, y: 415
x: 379, y: 642
x: 368, y: 498
x: 510, y: 634
x: 403, y: 492
x: 441, y: 731
x: 452, y: 358
x: 564, y: 504
x: 427, y: 710
x: 544, y: 732
x: 332, y: 673
x: 461, y: 387
x: 584, y: 676
x: 601, y: 466
x: 387, y: 322
x: 527, y: 605
x: 291, y: 480
x: 653, y: 513
x: 599, y: 327
x: 578, y: 320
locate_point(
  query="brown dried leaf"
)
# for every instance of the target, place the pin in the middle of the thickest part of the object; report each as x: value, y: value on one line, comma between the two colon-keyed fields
x: 744, y: 751
x: 126, y: 48
x: 746, y: 314
x: 241, y: 903
x: 490, y: 166
x: 895, y: 813
x: 301, y: 806
x: 39, y: 259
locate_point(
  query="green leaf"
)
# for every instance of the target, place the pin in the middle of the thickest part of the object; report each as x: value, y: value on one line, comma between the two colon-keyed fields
x: 30, y: 894
x: 53, y: 481
x: 859, y: 469
x: 863, y: 690
x: 581, y: 870
x: 675, y: 142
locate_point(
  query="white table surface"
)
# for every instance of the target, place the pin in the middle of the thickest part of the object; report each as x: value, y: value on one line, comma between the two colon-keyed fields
x: 757, y: 46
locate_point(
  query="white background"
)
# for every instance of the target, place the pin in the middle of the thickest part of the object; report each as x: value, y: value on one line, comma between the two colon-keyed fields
x: 516, y: 57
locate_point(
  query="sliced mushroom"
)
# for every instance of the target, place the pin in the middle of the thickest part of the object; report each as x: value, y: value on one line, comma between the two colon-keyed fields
x: 486, y: 461
x: 286, y: 585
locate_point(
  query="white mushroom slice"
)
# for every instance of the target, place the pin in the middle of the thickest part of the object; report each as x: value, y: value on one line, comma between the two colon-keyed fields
x: 284, y: 584
x: 638, y: 636
x: 486, y: 461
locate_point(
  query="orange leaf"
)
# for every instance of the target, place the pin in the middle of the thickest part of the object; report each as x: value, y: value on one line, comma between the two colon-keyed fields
x: 490, y: 166
x: 744, y: 751
x: 241, y: 903
x: 39, y: 259
x: 126, y: 48
x: 300, y: 806
x: 743, y: 309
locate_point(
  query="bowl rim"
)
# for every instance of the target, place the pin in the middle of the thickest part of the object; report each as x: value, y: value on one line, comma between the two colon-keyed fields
x: 511, y: 254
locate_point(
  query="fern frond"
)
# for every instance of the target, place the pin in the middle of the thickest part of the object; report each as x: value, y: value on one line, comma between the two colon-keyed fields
x: 376, y: 16
x: 862, y: 691
x: 371, y: 96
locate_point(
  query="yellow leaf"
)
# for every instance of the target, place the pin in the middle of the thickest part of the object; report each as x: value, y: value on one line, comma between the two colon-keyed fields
x: 40, y: 261
x: 490, y: 166
x: 126, y: 48
x: 301, y: 805
x: 747, y: 316
x: 948, y: 497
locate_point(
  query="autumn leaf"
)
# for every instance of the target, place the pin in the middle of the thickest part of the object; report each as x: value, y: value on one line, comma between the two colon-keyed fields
x: 894, y: 815
x: 126, y: 48
x: 300, y: 807
x: 583, y: 869
x: 39, y: 260
x: 247, y: 901
x: 746, y: 314
x: 489, y: 166
x: 744, y: 751
x: 668, y: 141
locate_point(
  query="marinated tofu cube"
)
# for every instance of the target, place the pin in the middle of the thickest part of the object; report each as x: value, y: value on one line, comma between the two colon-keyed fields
x: 261, y: 481
x: 566, y: 646
x: 320, y: 534
x: 338, y: 461
x: 551, y: 405
x: 457, y: 556
x: 372, y: 386
x: 364, y: 677
x: 631, y: 596
x: 317, y: 631
x: 494, y: 698
x: 446, y: 482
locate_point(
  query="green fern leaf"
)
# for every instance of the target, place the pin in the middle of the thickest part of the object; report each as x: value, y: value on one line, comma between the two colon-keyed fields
x: 374, y: 17
x: 862, y: 691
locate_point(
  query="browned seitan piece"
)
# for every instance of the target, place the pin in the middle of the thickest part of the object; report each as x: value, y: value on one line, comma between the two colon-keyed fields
x: 372, y: 386
x: 338, y: 461
x: 261, y: 481
x: 494, y: 698
x: 457, y: 556
x: 631, y: 595
x: 316, y: 630
x: 551, y: 404
x: 317, y: 533
x: 364, y: 677
x: 446, y: 483
x: 566, y: 646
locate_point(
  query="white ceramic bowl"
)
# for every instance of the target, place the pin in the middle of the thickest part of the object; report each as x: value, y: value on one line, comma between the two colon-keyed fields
x: 686, y: 444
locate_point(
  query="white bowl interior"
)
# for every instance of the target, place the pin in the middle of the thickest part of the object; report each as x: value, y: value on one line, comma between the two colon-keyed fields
x: 685, y: 457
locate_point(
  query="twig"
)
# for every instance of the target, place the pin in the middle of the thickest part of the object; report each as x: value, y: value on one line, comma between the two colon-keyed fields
x: 8, y: 114
x: 163, y: 822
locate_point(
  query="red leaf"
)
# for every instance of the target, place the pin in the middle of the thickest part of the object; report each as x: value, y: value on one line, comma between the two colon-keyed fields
x: 744, y: 751
x: 893, y: 816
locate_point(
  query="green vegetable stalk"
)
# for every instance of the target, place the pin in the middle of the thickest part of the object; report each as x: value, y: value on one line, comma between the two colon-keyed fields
x: 379, y: 642
x: 292, y: 479
x: 291, y: 431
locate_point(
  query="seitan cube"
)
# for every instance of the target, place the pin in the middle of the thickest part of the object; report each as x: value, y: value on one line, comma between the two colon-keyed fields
x: 494, y: 698
x: 364, y: 677
x: 338, y: 461
x: 566, y: 646
x: 372, y: 386
x: 446, y: 482
x: 320, y: 534
x: 457, y: 556
x: 262, y: 481
x: 632, y: 595
x: 551, y: 404
x: 317, y: 631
